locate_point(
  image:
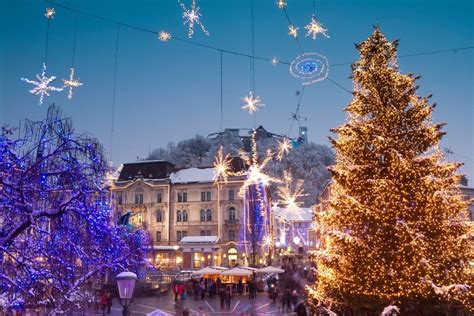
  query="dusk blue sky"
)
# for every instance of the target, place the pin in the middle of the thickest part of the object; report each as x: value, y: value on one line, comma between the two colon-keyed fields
x: 171, y: 91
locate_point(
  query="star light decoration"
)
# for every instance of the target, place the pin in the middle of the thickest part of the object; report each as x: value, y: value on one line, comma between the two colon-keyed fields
x: 164, y: 36
x: 274, y: 61
x: 50, y: 13
x: 192, y: 17
x: 222, y: 167
x: 283, y: 148
x: 314, y: 28
x: 255, y: 172
x: 71, y: 83
x: 289, y: 194
x: 251, y: 103
x: 281, y: 4
x: 42, y: 86
x: 293, y: 31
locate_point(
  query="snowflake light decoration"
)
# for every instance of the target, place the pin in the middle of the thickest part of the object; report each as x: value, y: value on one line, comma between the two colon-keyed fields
x: 164, y: 36
x: 283, y: 148
x: 192, y: 17
x: 314, y: 28
x: 222, y: 167
x: 71, y: 83
x: 251, y: 103
x: 50, y: 13
x: 281, y: 4
x: 255, y: 172
x: 274, y: 61
x: 289, y: 194
x: 42, y: 86
x: 293, y: 31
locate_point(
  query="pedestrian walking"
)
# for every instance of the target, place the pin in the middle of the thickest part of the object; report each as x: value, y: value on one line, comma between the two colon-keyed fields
x: 301, y: 309
x: 176, y: 291
x: 222, y: 295
x: 103, y: 302
x: 203, y: 289
x: 240, y: 287
x: 182, y: 291
x: 197, y: 290
x: 228, y: 297
x: 109, y: 302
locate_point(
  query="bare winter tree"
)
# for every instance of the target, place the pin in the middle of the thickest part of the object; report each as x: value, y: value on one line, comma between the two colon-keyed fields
x: 56, y: 237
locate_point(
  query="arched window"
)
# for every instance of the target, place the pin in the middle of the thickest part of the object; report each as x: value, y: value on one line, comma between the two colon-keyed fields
x: 203, y: 215
x: 231, y: 234
x: 159, y: 216
x: 178, y: 216
x: 209, y: 215
x: 232, y: 214
x: 232, y: 255
x: 185, y: 216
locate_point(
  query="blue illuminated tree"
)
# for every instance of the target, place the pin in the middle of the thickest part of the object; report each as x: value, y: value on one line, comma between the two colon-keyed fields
x: 56, y: 234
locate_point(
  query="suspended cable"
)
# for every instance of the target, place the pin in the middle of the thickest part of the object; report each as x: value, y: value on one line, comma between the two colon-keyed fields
x: 114, y: 92
x: 222, y: 90
x: 74, y: 42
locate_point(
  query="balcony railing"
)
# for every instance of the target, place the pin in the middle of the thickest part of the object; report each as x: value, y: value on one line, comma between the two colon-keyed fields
x: 231, y: 222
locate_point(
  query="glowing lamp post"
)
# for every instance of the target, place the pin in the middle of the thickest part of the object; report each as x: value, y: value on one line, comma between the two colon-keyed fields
x: 126, y: 283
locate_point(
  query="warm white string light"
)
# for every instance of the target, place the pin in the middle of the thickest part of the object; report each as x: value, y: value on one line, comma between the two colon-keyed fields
x: 164, y: 36
x: 71, y: 83
x: 293, y: 31
x: 314, y: 28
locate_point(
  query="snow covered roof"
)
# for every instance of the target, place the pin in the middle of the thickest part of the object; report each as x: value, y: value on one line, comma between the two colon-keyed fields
x: 300, y: 214
x: 199, y: 240
x: 165, y: 248
x: 190, y: 175
x: 153, y: 169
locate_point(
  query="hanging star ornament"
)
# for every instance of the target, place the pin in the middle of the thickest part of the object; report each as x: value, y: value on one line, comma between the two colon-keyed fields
x: 281, y: 4
x: 314, y: 28
x: 71, y: 83
x: 42, y: 86
x: 274, y: 61
x: 293, y: 31
x: 50, y: 13
x: 251, y: 103
x: 164, y: 36
x: 192, y: 17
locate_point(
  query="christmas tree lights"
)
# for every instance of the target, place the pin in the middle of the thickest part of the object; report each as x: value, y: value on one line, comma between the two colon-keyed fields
x: 394, y: 232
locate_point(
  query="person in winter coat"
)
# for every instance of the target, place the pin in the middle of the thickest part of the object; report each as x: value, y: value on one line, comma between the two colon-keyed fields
x: 228, y: 297
x: 301, y: 309
x: 240, y: 287
x: 109, y: 303
x: 176, y: 291
x: 222, y: 295
x: 182, y: 291
x: 103, y: 302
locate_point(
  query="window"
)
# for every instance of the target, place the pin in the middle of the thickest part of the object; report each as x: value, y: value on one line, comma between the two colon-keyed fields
x: 179, y: 235
x: 119, y: 199
x: 209, y: 215
x: 185, y: 216
x: 185, y: 233
x: 159, y: 196
x: 138, y: 198
x: 232, y: 215
x: 203, y: 233
x: 205, y: 196
x: 178, y: 216
x: 182, y: 196
x: 231, y: 194
x: 158, y: 236
x: 203, y: 215
x: 231, y: 234
x: 159, y: 216
x: 208, y: 232
x: 232, y: 255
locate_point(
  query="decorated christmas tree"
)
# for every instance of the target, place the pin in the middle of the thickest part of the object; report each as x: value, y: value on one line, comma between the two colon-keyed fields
x: 394, y: 235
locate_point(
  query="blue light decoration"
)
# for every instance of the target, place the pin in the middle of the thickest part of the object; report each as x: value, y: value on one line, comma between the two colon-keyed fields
x: 56, y: 217
x: 310, y: 68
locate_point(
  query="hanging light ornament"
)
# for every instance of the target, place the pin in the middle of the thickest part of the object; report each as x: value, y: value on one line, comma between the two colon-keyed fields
x: 164, y: 36
x: 274, y: 61
x: 71, y: 83
x: 310, y: 68
x: 251, y: 103
x: 314, y: 28
x: 293, y: 31
x: 42, y: 87
x: 281, y: 4
x: 192, y: 17
x: 50, y: 13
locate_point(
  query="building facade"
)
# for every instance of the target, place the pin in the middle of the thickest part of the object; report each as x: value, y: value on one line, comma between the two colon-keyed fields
x: 191, y: 221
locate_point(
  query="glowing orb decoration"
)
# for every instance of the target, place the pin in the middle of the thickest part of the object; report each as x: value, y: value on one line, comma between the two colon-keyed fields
x: 310, y: 68
x: 164, y: 36
x: 50, y: 13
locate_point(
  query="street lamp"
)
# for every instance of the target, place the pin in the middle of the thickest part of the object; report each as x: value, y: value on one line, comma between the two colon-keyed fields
x: 126, y: 283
